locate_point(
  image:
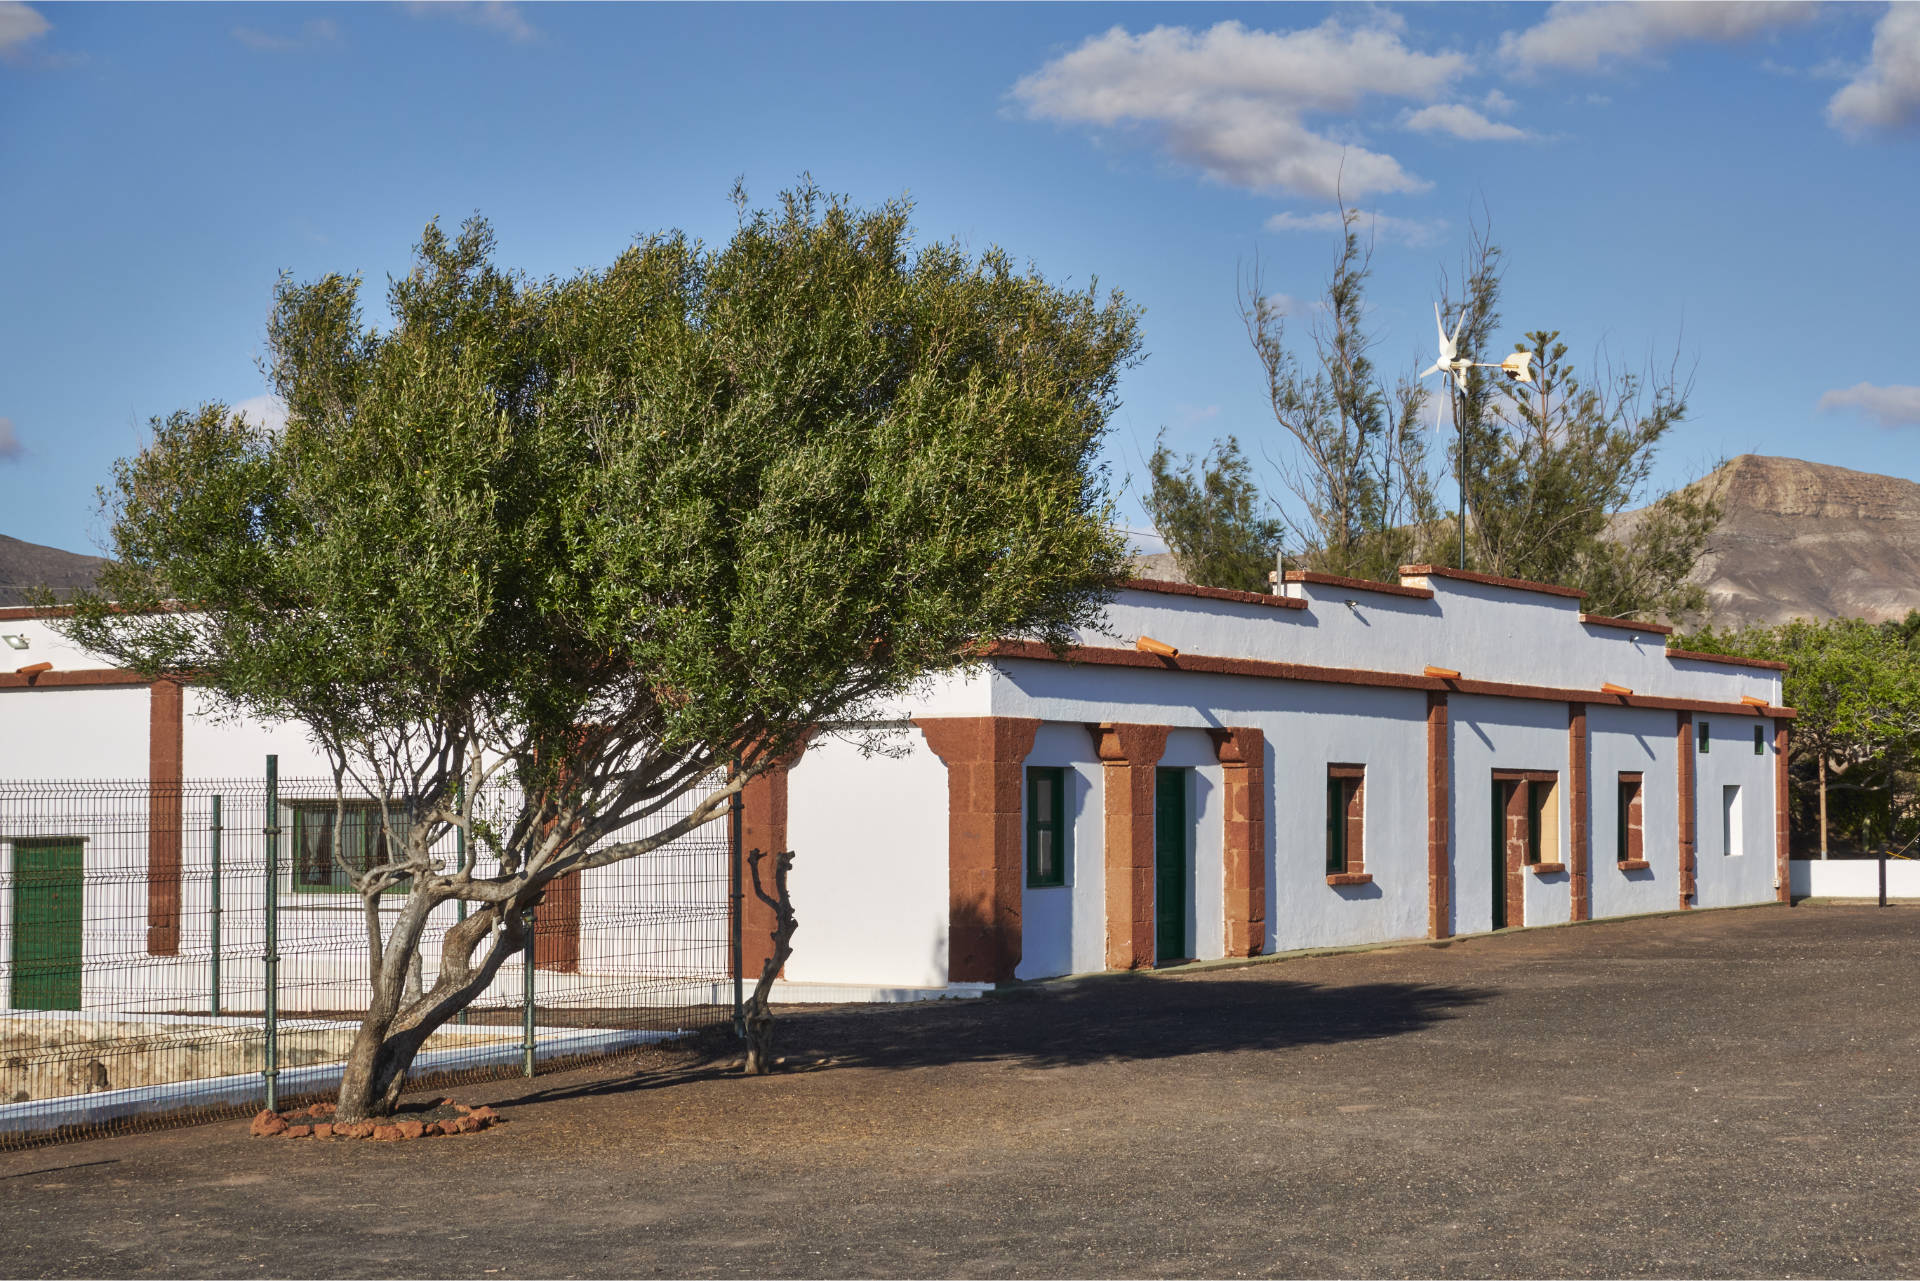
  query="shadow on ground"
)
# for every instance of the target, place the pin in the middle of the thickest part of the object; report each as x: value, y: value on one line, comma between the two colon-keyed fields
x: 1111, y: 1019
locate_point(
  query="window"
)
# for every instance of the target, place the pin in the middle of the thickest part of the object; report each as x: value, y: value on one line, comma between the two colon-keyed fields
x: 1346, y: 820
x: 1046, y: 827
x: 1543, y: 822
x: 1706, y: 739
x: 1759, y: 740
x: 318, y: 868
x: 1630, y: 835
x: 1731, y: 837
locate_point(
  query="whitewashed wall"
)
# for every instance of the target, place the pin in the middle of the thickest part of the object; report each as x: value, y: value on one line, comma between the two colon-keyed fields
x: 869, y: 882
x: 1065, y: 927
x: 1506, y: 734
x: 1628, y: 740
x: 1747, y: 871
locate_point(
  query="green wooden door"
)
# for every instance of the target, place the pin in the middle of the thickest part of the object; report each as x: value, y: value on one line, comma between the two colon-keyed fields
x: 1502, y: 791
x: 1170, y: 865
x: 46, y: 925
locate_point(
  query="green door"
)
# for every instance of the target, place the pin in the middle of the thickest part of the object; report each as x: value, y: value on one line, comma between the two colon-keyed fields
x: 1170, y: 865
x: 46, y: 925
x: 1502, y: 791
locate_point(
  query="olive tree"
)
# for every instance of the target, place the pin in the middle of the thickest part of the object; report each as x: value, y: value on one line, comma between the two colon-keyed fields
x: 610, y: 534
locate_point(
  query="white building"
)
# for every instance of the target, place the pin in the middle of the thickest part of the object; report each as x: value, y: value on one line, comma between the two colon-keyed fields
x: 1212, y: 774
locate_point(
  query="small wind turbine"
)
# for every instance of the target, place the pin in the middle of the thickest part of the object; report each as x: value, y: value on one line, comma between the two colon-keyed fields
x: 1518, y: 368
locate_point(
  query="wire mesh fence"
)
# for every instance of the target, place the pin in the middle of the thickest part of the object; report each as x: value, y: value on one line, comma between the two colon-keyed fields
x: 185, y: 951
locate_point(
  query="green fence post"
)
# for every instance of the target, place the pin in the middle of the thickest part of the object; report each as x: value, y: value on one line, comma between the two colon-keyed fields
x: 213, y: 914
x: 526, y: 1015
x: 270, y: 994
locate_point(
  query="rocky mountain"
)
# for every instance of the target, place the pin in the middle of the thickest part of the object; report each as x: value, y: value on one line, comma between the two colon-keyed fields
x: 27, y: 565
x: 1806, y: 540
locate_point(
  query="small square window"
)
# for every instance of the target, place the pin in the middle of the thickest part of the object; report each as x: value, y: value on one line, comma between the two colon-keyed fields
x: 320, y: 865
x: 1046, y: 827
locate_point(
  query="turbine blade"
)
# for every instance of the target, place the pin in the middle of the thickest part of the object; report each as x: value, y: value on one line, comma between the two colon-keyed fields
x: 1438, y: 366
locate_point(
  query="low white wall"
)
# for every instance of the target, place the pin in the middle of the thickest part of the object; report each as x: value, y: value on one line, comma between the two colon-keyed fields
x: 869, y: 881
x: 1853, y: 878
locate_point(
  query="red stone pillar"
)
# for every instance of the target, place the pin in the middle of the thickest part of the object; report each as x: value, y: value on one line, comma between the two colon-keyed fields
x: 1243, y: 765
x: 763, y: 826
x: 1782, y: 870
x: 1439, y: 814
x: 984, y: 756
x: 1685, y: 788
x: 1580, y: 788
x: 1129, y: 753
x: 164, y: 782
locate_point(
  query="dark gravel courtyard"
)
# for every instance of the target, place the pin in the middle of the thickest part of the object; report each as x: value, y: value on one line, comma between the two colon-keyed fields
x: 1720, y: 1093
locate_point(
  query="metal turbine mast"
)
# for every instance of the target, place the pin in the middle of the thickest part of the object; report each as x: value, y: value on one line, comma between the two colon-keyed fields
x: 1518, y: 367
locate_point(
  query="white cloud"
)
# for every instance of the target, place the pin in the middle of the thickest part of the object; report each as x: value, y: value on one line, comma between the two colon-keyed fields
x: 1461, y: 121
x: 268, y: 410
x: 1581, y: 36
x: 19, y: 23
x: 495, y: 15
x: 1894, y: 406
x: 1886, y: 94
x: 10, y: 446
x: 1496, y: 102
x: 1233, y: 102
x: 318, y: 32
x: 1408, y: 231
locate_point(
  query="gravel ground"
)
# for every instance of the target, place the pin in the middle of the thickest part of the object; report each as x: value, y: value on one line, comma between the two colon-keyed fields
x: 1710, y: 1094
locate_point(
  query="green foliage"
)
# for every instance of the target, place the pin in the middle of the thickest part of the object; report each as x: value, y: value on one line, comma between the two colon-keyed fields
x: 1359, y: 468
x: 610, y: 531
x: 1210, y: 514
x: 1551, y: 468
x: 1856, y: 687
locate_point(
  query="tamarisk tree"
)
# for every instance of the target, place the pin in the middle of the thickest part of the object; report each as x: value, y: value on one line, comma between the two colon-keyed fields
x: 608, y: 535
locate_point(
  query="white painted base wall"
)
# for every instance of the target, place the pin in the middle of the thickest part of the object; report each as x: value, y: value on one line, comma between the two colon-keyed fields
x: 1853, y: 878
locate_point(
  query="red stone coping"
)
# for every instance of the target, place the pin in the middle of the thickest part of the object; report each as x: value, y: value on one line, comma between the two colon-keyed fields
x: 1105, y: 656
x: 1490, y: 580
x: 1546, y: 869
x: 1210, y: 593
x: 1733, y: 660
x: 1626, y: 624
x: 89, y: 677
x: 1358, y: 584
x: 1633, y: 865
x: 1350, y: 878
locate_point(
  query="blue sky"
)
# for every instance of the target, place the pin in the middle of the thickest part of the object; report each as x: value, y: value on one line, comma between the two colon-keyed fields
x: 1735, y: 182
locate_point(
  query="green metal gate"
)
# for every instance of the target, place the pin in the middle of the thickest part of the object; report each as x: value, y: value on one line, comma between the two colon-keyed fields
x: 46, y: 924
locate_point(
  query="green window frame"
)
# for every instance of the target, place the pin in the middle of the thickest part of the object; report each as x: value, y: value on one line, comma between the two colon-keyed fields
x: 1046, y: 827
x: 1706, y: 737
x: 313, y: 867
x: 1336, y: 826
x: 1345, y: 811
x: 1759, y: 740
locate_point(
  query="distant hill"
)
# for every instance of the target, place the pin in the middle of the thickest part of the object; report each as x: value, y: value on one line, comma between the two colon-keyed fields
x: 27, y: 565
x: 1806, y: 540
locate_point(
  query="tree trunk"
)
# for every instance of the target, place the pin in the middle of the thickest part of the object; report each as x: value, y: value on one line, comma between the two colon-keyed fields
x: 759, y: 1020
x: 1821, y: 757
x: 396, y: 1027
